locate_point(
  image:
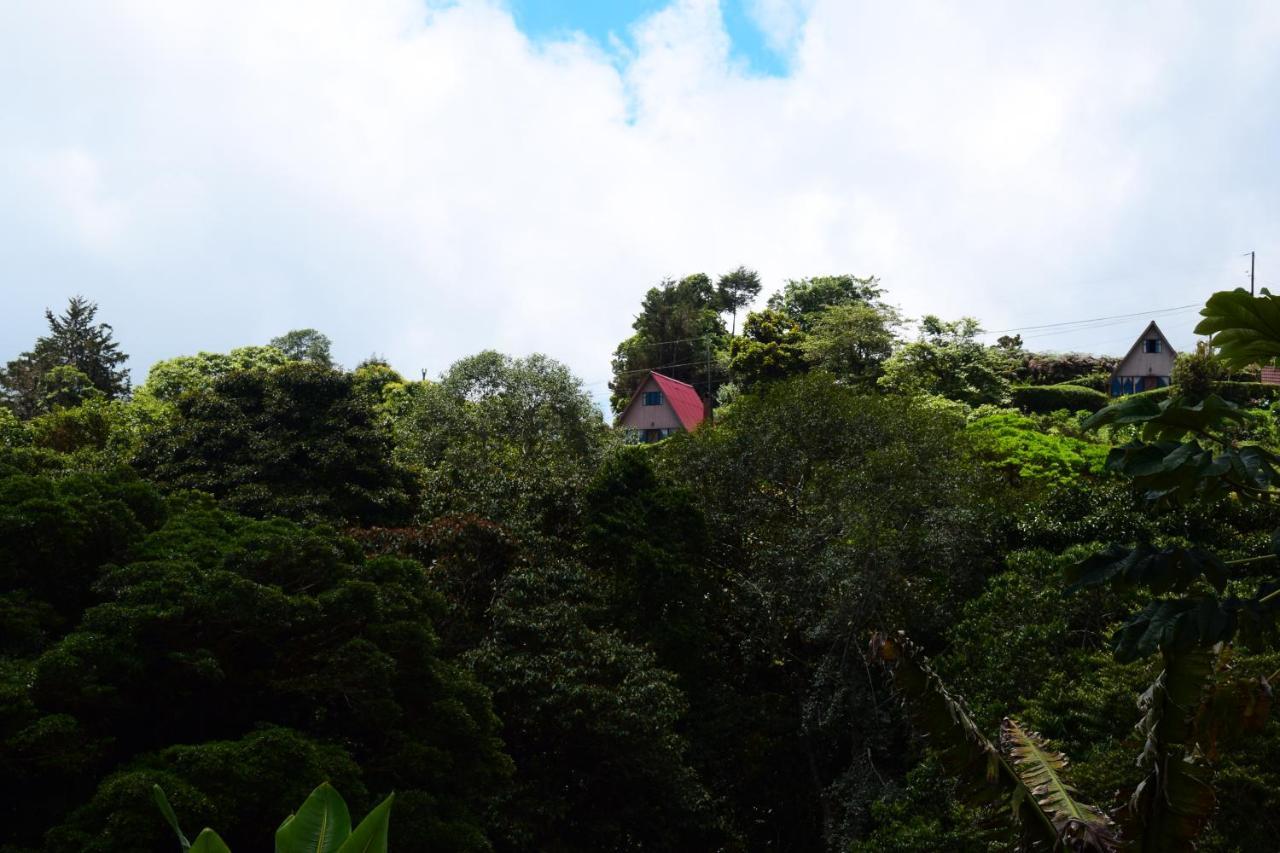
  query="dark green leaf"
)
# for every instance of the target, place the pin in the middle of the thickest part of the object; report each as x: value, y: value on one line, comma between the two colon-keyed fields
x: 1161, y: 570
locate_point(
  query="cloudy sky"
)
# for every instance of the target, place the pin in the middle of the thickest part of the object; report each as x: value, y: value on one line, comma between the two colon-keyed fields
x: 427, y: 179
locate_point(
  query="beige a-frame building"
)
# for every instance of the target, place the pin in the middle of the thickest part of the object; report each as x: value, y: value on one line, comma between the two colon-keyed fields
x: 1147, y: 365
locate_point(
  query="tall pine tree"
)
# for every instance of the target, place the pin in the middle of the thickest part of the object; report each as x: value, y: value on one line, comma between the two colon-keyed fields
x: 75, y: 341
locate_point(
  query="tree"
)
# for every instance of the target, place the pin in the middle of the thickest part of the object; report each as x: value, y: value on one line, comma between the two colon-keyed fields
x: 592, y: 723
x: 737, y: 289
x: 771, y: 347
x: 65, y: 387
x: 170, y: 379
x: 679, y: 321
x: 1194, y: 373
x: 1012, y: 343
x: 852, y: 341
x: 1054, y: 368
x: 296, y: 441
x: 305, y: 345
x: 511, y: 440
x: 950, y: 361
x: 239, y: 663
x: 804, y: 299
x: 829, y: 508
x: 74, y: 341
x: 1207, y: 610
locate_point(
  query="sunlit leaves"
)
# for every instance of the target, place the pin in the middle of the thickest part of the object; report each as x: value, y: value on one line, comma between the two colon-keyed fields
x: 1245, y: 328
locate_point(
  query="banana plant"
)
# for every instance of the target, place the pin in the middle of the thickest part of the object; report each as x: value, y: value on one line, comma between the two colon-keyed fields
x: 1021, y: 780
x: 321, y: 825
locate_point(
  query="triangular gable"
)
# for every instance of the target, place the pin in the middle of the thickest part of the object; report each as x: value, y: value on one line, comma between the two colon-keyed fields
x: 680, y: 396
x: 1133, y: 350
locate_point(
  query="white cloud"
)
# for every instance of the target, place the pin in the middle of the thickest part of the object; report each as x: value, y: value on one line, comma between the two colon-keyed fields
x: 781, y: 21
x: 425, y: 181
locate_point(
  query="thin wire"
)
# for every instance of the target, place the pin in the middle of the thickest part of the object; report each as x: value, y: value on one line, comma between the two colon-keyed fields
x: 1107, y: 324
x: 1095, y: 319
x: 646, y: 370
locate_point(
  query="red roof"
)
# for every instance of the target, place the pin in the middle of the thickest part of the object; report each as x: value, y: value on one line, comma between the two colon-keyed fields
x: 683, y: 399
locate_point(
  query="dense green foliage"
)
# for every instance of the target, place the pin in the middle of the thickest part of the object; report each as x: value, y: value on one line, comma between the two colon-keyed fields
x: 263, y: 572
x: 1043, y: 399
x: 296, y: 442
x: 76, y: 359
x: 948, y: 360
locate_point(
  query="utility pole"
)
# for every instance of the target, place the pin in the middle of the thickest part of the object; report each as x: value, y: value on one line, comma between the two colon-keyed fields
x: 1252, y: 259
x: 709, y: 368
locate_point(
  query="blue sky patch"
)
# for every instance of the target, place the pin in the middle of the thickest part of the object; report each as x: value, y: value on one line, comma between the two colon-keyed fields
x: 600, y: 18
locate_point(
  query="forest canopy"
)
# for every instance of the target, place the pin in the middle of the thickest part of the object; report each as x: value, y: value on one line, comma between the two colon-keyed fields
x: 894, y: 555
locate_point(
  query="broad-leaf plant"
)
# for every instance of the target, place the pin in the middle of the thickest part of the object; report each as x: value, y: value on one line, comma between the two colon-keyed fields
x: 321, y: 825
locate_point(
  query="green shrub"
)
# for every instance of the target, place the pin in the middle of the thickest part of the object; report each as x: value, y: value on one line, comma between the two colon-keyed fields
x: 1099, y: 380
x: 1019, y: 445
x: 1240, y: 393
x: 1042, y: 399
x: 1246, y: 393
x: 1156, y: 394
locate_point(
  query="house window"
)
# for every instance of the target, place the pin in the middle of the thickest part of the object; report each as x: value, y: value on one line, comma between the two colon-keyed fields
x: 1151, y: 345
x: 653, y: 398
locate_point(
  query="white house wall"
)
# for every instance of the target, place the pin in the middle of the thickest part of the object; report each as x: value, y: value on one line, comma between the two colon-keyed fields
x: 640, y: 416
x: 1147, y: 363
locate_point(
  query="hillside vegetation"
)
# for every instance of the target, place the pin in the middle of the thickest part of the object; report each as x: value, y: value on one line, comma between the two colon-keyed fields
x: 872, y: 605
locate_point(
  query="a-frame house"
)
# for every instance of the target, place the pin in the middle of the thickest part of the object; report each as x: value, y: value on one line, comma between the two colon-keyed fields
x: 1147, y: 365
x: 660, y: 407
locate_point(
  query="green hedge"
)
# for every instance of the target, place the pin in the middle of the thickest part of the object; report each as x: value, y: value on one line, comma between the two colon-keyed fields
x: 1154, y: 394
x: 1240, y: 393
x: 1098, y: 381
x: 1246, y: 393
x: 1042, y: 399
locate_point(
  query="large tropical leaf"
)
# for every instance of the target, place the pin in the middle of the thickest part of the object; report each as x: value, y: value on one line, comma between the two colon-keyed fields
x: 371, y: 835
x: 1042, y: 770
x: 1178, y: 625
x: 1159, y: 569
x: 321, y: 825
x: 209, y: 842
x: 1171, y: 805
x: 1245, y: 328
x: 1174, y: 625
x: 157, y: 794
x: 1169, y: 419
x: 965, y: 752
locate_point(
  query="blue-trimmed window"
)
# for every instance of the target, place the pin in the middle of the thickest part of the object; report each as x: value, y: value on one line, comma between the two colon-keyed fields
x: 653, y: 398
x: 1151, y: 345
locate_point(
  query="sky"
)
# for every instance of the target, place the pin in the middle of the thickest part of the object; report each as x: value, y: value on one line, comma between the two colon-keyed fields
x: 423, y: 180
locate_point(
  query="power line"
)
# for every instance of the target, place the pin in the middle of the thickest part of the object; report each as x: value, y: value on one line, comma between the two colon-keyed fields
x: 643, y: 370
x: 1106, y: 325
x: 1095, y: 319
